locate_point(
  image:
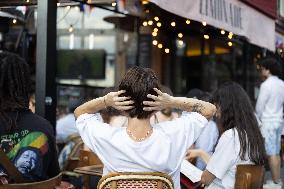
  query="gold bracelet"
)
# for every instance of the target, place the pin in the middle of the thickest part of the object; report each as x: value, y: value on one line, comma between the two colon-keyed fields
x: 105, y: 102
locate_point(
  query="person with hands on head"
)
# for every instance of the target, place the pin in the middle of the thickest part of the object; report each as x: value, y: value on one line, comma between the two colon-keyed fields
x: 139, y: 147
x: 240, y: 139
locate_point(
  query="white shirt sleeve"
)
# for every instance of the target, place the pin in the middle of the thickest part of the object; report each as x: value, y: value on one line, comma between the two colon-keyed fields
x: 225, y: 155
x: 91, y: 128
x: 261, y: 100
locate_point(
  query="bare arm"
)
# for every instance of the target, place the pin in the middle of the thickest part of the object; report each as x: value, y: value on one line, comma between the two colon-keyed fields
x: 163, y: 100
x: 194, y: 153
x: 111, y: 99
x: 207, y: 177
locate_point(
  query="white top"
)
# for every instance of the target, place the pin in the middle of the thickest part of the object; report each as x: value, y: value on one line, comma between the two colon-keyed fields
x: 269, y: 105
x: 223, y: 162
x: 207, y: 141
x: 163, y: 151
x: 65, y: 127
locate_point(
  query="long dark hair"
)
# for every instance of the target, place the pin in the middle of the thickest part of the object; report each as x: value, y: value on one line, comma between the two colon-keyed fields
x: 14, y: 86
x: 236, y: 111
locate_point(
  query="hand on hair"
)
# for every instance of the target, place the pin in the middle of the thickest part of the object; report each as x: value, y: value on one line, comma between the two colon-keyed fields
x: 162, y: 101
x: 118, y: 102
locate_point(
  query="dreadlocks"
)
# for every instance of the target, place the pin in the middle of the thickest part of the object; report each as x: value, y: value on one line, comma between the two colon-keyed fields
x: 14, y: 86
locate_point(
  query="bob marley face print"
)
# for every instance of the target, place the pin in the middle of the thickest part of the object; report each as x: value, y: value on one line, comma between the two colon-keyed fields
x: 26, y: 161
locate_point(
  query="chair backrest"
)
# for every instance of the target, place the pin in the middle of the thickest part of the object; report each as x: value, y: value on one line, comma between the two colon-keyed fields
x: 51, y: 183
x: 141, y: 180
x: 88, y: 158
x: 249, y: 177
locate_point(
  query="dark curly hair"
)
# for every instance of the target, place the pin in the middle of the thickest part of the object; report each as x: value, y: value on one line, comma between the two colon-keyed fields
x: 138, y: 82
x: 14, y: 86
x: 236, y: 111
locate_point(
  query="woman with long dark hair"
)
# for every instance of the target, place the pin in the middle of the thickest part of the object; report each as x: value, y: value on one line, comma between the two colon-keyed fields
x: 240, y: 139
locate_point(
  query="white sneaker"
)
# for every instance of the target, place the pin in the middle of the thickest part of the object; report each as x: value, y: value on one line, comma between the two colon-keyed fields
x: 271, y: 185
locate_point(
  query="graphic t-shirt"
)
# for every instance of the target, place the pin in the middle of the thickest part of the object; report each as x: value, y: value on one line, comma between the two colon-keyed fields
x: 30, y: 146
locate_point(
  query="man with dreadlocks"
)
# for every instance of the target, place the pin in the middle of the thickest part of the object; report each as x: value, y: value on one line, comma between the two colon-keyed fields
x: 27, y: 139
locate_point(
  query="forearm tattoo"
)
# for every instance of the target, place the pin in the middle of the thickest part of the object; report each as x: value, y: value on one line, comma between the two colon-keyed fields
x: 197, y: 107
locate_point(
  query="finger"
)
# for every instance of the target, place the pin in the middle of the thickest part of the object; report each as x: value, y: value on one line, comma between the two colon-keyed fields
x: 151, y: 108
x: 122, y: 98
x: 124, y: 107
x: 124, y: 103
x: 152, y: 97
x: 151, y: 103
x: 158, y: 91
x: 120, y: 92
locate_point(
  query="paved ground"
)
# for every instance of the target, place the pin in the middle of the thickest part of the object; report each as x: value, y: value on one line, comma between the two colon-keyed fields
x: 268, y: 175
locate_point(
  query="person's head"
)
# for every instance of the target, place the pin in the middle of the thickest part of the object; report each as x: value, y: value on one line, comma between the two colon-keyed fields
x: 109, y: 111
x: 14, y: 82
x: 194, y: 93
x: 269, y: 66
x: 138, y: 83
x: 234, y: 110
x: 73, y: 104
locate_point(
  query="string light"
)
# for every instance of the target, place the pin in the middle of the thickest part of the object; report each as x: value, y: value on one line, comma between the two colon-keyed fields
x: 173, y: 24
x: 68, y: 7
x: 155, y: 42
x: 145, y: 23
x: 156, y: 30
x: 150, y: 22
x: 71, y: 29
x: 187, y: 21
x: 230, y: 36
x: 147, y: 11
x: 58, y: 4
x: 204, y: 23
x: 145, y: 2
x: 113, y: 4
x: 180, y: 35
x: 206, y: 36
x: 77, y: 8
x: 223, y: 32
x: 27, y: 1
x: 159, y: 24
x: 167, y: 50
x: 160, y: 46
x: 180, y: 42
x: 154, y: 34
x: 230, y: 44
x: 156, y: 18
x: 14, y: 21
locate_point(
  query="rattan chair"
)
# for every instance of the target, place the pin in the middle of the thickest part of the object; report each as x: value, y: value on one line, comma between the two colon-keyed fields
x: 52, y: 183
x: 249, y: 177
x: 139, y: 180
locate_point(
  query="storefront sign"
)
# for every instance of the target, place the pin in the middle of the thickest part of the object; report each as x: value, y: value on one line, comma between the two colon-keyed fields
x: 230, y: 15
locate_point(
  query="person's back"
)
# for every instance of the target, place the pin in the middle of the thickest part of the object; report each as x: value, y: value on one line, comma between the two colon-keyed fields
x: 30, y: 146
x: 27, y: 139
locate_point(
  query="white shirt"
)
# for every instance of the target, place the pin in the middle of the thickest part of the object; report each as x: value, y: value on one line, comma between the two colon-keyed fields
x: 207, y: 141
x: 223, y: 162
x: 65, y: 127
x: 269, y: 105
x: 163, y: 151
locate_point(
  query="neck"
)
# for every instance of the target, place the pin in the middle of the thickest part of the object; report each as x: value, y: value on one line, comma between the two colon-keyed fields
x: 139, y: 127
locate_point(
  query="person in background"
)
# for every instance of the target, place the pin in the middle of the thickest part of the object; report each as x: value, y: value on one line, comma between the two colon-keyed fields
x: 209, y: 136
x: 32, y: 102
x: 240, y: 139
x: 27, y: 139
x: 269, y: 109
x: 139, y: 147
x: 66, y: 126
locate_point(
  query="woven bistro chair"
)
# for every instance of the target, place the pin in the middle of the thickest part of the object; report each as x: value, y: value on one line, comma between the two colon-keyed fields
x: 138, y: 180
